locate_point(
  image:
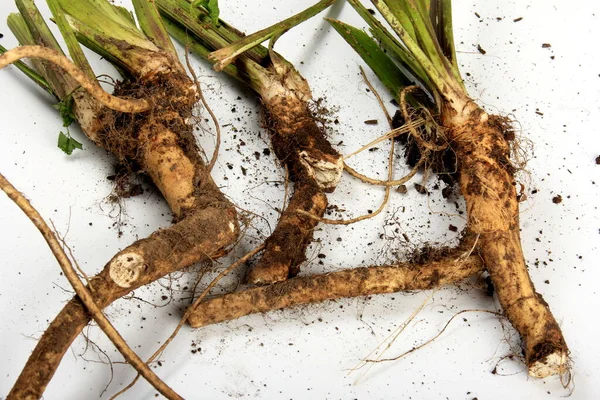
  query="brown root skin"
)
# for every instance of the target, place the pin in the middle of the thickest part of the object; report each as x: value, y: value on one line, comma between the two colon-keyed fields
x: 315, y: 167
x: 355, y: 282
x: 286, y: 247
x: 486, y: 177
x: 161, y: 143
x: 301, y: 144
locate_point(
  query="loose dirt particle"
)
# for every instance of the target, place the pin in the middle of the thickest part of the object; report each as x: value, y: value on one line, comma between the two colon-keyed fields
x: 557, y: 199
x: 420, y: 188
x: 598, y: 160
x: 453, y: 228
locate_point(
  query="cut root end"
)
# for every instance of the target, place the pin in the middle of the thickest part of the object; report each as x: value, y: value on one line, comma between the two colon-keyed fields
x: 554, y: 364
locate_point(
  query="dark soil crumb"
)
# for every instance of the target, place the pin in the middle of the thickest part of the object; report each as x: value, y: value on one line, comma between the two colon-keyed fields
x: 453, y: 228
x: 490, y: 286
x: 598, y: 160
x: 402, y: 189
x: 127, y: 183
x: 420, y: 188
x: 557, y: 199
x: 480, y: 49
x: 1, y: 35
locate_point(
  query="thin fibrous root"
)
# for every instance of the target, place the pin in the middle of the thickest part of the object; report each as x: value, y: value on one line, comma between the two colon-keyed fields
x: 414, y: 133
x: 346, y: 283
x: 215, y: 155
x: 83, y: 293
x: 388, y: 117
x: 428, y: 342
x: 396, y: 182
x: 406, y: 128
x: 53, y: 56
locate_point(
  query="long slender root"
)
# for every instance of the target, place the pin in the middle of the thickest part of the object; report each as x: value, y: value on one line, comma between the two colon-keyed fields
x: 346, y: 283
x: 396, y: 182
x: 53, y: 56
x: 404, y: 129
x: 83, y: 293
x: 377, y: 96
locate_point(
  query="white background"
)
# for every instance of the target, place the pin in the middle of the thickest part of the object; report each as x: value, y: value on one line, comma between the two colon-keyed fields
x: 307, y: 352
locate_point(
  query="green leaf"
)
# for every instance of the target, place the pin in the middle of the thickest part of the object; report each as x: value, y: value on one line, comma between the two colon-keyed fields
x: 212, y: 6
x: 65, y: 108
x: 386, y: 70
x: 67, y: 144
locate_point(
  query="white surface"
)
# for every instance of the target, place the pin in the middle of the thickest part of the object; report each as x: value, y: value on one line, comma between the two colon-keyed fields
x: 307, y: 352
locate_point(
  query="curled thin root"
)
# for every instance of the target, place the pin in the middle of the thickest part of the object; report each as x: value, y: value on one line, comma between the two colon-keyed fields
x: 377, y: 96
x: 379, y: 182
x: 53, y: 56
x: 405, y: 114
x: 367, y: 216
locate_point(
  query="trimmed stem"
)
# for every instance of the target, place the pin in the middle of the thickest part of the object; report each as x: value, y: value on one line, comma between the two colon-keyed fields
x: 347, y: 283
x: 36, y: 24
x: 212, y: 36
x: 228, y: 54
x: 151, y: 24
x: 112, y: 102
x: 68, y: 36
x: 389, y: 42
x: 448, y: 30
x: 444, y: 83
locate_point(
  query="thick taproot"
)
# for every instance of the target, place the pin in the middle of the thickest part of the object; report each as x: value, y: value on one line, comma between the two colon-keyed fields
x: 488, y: 185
